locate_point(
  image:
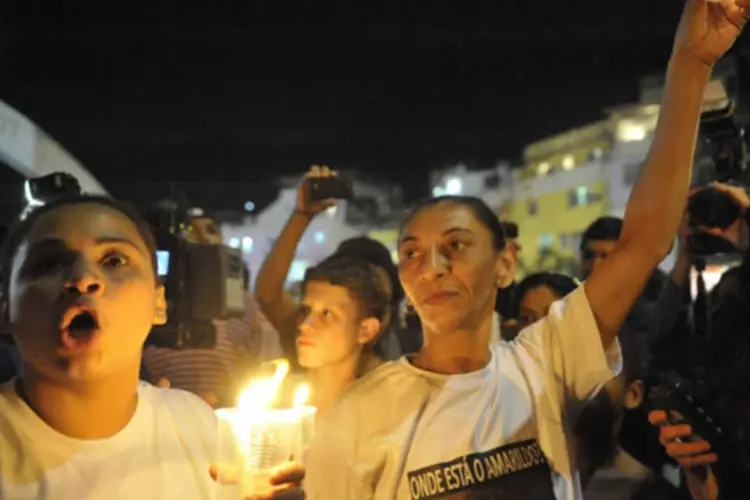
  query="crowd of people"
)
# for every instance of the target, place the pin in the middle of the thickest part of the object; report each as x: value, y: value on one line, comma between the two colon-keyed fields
x: 426, y: 388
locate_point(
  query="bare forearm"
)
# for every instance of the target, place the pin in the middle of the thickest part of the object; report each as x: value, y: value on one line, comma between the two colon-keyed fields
x: 269, y: 285
x: 657, y: 203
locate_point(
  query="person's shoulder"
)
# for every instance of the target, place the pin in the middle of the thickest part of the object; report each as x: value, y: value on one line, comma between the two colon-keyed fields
x: 576, y: 301
x: 378, y: 386
x: 383, y: 376
x: 183, y: 405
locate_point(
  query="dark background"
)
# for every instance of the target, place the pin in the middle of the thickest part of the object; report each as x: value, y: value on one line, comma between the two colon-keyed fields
x: 207, y: 93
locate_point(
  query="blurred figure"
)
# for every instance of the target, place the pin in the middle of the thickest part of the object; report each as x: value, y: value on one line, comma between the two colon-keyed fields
x: 608, y: 471
x: 217, y: 374
x: 395, y: 339
x: 537, y: 292
x: 277, y: 303
x: 599, y: 240
x: 339, y: 323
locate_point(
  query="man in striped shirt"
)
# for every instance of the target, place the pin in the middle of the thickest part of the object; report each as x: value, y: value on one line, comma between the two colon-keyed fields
x: 218, y: 374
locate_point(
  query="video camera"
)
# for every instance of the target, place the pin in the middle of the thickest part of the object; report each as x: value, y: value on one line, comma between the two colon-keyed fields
x: 203, y: 283
x: 709, y: 207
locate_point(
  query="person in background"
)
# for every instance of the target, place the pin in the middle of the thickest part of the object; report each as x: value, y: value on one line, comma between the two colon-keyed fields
x: 343, y: 301
x: 597, y: 243
x: 277, y: 303
x: 505, y: 325
x: 395, y: 339
x: 537, y: 292
x: 725, y: 359
x: 219, y: 373
x: 79, y: 297
x: 608, y: 471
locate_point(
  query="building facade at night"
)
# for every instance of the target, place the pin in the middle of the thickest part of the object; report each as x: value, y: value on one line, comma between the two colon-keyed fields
x: 374, y: 211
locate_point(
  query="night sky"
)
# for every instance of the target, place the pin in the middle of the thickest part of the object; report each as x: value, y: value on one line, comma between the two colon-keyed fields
x: 208, y: 93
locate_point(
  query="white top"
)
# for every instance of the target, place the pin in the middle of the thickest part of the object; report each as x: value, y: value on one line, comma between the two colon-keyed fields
x: 501, y: 432
x: 163, y: 453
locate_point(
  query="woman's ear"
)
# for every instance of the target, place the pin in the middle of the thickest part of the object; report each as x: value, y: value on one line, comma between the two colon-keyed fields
x: 160, y: 307
x: 505, y: 268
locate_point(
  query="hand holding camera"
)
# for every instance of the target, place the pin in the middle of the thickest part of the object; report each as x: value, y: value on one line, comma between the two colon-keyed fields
x: 320, y: 189
x: 718, y: 213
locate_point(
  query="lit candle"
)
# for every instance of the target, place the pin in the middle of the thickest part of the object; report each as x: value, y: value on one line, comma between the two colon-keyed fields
x: 306, y: 415
x: 266, y: 438
x: 301, y: 396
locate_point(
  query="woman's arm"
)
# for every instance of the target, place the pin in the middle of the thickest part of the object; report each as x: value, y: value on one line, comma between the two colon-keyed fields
x: 656, y: 205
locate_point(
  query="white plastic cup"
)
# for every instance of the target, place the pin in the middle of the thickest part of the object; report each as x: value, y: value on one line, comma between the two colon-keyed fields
x: 254, y: 445
x: 306, y: 430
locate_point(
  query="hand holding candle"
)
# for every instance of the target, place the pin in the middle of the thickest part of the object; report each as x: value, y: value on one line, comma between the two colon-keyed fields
x: 258, y: 442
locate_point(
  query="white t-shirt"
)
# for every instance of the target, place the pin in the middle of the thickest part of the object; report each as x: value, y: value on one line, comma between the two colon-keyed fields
x: 501, y: 432
x: 163, y: 453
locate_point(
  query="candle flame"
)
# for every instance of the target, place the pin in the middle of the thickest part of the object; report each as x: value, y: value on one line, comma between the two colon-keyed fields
x: 301, y: 396
x: 262, y: 393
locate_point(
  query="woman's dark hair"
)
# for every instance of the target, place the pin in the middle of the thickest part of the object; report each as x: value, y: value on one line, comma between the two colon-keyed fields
x: 18, y: 232
x: 482, y: 212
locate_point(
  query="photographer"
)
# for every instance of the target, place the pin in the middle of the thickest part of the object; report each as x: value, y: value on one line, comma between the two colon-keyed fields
x: 722, y: 373
x: 217, y: 373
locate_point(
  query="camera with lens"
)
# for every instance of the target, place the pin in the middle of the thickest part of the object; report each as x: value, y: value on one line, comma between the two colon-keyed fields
x: 47, y: 188
x: 202, y: 282
x: 710, y: 208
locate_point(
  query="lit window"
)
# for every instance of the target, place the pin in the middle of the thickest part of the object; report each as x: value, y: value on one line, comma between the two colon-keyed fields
x: 568, y: 162
x: 453, y: 186
x: 631, y: 132
x: 579, y: 197
x: 234, y: 243
x: 247, y: 244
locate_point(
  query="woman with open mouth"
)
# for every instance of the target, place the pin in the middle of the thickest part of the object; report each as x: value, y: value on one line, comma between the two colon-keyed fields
x: 80, y: 296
